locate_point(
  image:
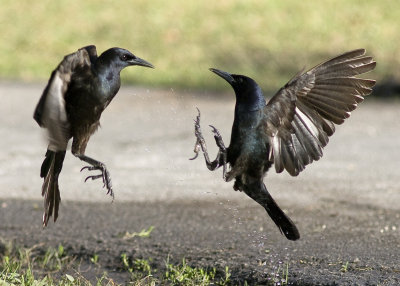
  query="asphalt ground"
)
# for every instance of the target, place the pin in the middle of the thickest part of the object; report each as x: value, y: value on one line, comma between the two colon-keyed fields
x: 346, y: 206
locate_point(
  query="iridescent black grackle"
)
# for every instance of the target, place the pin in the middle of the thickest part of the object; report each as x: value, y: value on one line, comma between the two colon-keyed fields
x: 290, y: 130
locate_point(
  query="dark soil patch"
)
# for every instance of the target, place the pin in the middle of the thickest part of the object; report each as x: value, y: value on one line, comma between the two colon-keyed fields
x: 344, y: 244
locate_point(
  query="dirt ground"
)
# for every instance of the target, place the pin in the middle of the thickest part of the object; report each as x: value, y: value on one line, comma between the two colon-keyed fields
x: 346, y: 206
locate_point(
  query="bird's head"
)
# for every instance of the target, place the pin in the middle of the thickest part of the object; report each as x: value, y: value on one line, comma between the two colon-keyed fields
x: 121, y: 58
x: 248, y: 92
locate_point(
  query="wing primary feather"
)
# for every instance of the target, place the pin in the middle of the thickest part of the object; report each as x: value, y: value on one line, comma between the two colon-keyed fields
x: 334, y: 95
x: 288, y: 158
x: 343, y: 57
x: 302, y: 156
x: 338, y: 110
x: 310, y: 142
x: 344, y: 69
x: 335, y: 103
x: 276, y: 143
x: 327, y: 126
x: 302, y: 115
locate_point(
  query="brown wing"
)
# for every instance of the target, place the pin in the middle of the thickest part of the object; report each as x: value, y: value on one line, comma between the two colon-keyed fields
x: 301, y: 116
x: 50, y: 112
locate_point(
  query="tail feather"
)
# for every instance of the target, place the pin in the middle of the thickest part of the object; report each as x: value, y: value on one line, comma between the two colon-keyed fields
x: 258, y: 192
x: 50, y: 170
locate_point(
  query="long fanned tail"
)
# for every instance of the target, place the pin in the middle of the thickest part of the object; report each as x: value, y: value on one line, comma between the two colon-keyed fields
x: 258, y: 192
x: 51, y: 168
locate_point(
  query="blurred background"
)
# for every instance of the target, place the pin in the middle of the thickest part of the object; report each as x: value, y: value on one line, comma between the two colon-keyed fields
x: 267, y: 40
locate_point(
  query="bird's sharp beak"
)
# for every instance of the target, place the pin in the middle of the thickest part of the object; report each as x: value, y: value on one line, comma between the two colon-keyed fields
x: 140, y: 62
x: 226, y: 76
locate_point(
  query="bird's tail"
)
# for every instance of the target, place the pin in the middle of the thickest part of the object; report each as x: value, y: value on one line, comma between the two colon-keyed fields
x: 258, y: 192
x: 51, y: 168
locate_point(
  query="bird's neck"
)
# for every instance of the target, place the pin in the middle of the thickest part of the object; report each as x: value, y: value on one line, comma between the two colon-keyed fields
x: 109, y: 80
x: 251, y: 100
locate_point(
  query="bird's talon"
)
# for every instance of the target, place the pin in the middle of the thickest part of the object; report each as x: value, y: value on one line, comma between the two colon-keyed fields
x: 94, y: 177
x: 195, y: 156
x: 215, y: 131
x: 86, y: 167
x: 105, y: 175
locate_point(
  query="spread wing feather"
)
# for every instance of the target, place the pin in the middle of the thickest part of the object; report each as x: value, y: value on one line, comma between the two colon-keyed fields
x: 300, y: 118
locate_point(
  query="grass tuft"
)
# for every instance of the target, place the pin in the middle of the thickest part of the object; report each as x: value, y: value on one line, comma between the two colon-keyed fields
x: 143, y: 233
x: 34, y: 267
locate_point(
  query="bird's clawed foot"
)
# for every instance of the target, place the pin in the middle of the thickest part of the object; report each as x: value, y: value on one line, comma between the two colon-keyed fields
x: 199, y: 137
x: 105, y: 175
x: 221, y: 159
x: 222, y: 154
x: 218, y: 139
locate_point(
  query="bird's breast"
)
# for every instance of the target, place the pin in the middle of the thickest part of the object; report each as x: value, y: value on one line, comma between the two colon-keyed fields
x: 250, y: 144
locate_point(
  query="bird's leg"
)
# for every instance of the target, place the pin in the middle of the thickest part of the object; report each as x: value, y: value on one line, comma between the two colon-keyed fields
x: 201, y: 144
x: 96, y: 165
x: 221, y: 156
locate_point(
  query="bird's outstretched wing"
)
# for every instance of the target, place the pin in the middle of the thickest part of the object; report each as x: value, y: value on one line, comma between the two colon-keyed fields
x: 50, y: 112
x: 301, y: 116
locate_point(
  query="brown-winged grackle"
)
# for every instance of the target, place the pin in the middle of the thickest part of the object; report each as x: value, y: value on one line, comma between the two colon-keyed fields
x: 78, y: 91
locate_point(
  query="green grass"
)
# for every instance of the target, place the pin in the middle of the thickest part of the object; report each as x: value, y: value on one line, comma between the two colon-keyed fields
x: 143, y: 233
x: 55, y: 267
x: 267, y: 40
x: 38, y: 266
x: 182, y: 274
x: 28, y: 266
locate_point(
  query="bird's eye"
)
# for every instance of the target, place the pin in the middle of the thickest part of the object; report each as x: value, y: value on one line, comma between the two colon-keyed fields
x: 124, y: 57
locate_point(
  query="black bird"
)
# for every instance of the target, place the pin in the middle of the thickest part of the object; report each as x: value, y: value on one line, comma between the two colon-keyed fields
x: 290, y: 130
x: 78, y: 91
